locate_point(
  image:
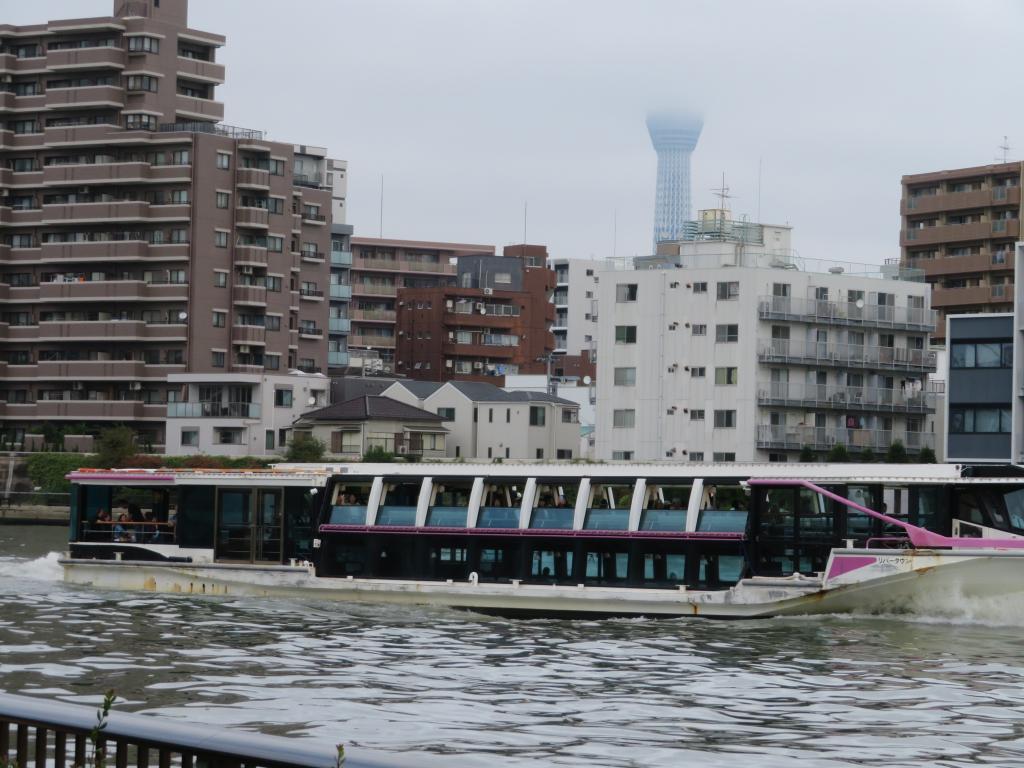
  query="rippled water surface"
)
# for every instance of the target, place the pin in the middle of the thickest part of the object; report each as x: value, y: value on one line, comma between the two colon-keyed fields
x: 480, y: 691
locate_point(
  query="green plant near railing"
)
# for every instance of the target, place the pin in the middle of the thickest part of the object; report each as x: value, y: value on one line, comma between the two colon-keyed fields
x: 99, y: 746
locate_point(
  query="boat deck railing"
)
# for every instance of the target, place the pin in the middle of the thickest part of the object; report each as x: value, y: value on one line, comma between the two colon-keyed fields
x: 60, y: 735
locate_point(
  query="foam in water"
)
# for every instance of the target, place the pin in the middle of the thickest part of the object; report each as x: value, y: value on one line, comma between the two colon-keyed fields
x: 44, y: 568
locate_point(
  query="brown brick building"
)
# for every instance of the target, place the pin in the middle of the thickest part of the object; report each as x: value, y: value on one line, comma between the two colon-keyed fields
x: 959, y: 226
x: 495, y: 320
x: 139, y: 237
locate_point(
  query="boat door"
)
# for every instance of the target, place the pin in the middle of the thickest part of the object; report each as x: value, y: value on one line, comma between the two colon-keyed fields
x: 249, y: 524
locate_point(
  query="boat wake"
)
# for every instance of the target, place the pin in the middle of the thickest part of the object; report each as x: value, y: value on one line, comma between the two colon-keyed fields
x: 45, y: 568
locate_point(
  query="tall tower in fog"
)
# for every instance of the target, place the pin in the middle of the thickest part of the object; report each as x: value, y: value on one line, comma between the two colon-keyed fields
x: 674, y: 137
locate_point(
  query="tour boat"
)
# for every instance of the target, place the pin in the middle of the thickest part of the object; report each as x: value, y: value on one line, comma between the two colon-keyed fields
x: 730, y: 541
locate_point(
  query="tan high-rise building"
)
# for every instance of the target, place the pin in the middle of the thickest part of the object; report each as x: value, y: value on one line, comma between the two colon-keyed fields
x: 140, y: 238
x: 959, y: 226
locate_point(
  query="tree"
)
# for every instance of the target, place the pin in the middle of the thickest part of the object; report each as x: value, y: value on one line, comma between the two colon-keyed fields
x: 926, y: 456
x: 867, y: 456
x: 807, y: 455
x: 896, y: 454
x: 304, y: 448
x: 839, y: 454
x: 378, y: 455
x: 114, y: 446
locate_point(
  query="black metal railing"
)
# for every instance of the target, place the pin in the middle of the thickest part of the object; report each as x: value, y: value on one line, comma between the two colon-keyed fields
x: 231, y: 131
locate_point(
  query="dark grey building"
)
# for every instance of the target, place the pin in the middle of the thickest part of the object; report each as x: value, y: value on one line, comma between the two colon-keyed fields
x: 979, y: 391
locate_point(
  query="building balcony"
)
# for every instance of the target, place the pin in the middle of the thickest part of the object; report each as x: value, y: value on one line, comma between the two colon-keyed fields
x: 490, y: 321
x: 794, y: 438
x: 88, y: 410
x: 367, y: 289
x: 953, y: 201
x: 20, y: 217
x: 401, y: 265
x: 386, y: 342
x: 771, y: 394
x: 86, y: 58
x: 109, y: 330
x: 316, y: 219
x: 311, y: 294
x: 58, y: 136
x: 846, y: 313
x: 251, y: 295
x: 89, y: 370
x: 192, y: 108
x: 341, y: 292
x: 964, y: 265
x: 251, y: 255
x: 210, y: 410
x: 107, y: 250
x: 952, y: 233
x: 256, y: 218
x: 85, y: 97
x: 196, y: 69
x: 113, y: 173
x: 374, y: 315
x: 977, y: 294
x: 339, y: 325
x: 337, y: 359
x: 252, y: 178
x: 452, y: 349
x: 783, y: 351
x: 91, y: 213
x: 313, y: 257
x: 249, y: 334
x: 311, y: 332
x: 114, y: 290
x: 341, y: 258
x: 9, y: 140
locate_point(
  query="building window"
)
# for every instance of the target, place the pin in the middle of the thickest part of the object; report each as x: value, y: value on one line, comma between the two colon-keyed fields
x: 190, y: 438
x: 563, y: 453
x: 137, y: 122
x: 622, y: 455
x: 726, y: 376
x: 218, y: 360
x: 219, y: 319
x: 448, y: 414
x: 728, y: 291
x: 698, y: 372
x: 220, y: 279
x: 503, y: 278
x: 142, y: 44
x: 274, y: 283
x: 697, y: 414
x: 272, y: 362
x: 723, y: 457
x: 981, y: 354
x: 725, y: 419
x: 625, y: 377
x: 697, y: 456
x: 624, y: 418
x: 268, y: 442
x: 223, y: 199
x: 570, y: 416
x: 223, y: 161
x: 727, y: 333
x: 700, y: 330
x: 540, y: 453
x: 142, y: 83
x: 283, y: 398
x: 625, y: 292
x: 700, y: 287
x: 979, y: 421
x: 537, y: 416
x: 220, y: 239
x: 625, y: 334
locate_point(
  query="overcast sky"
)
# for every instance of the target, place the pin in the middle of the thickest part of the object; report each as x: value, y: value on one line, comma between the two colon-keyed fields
x: 471, y: 108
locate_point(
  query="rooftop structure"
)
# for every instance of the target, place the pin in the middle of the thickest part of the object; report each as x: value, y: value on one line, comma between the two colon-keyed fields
x: 674, y: 137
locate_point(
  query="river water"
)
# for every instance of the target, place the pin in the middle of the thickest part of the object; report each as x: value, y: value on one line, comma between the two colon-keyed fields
x: 454, y: 689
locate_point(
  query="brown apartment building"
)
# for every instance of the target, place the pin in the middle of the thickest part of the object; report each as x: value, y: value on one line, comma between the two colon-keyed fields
x: 382, y: 267
x: 960, y: 226
x: 139, y: 237
x: 495, y: 320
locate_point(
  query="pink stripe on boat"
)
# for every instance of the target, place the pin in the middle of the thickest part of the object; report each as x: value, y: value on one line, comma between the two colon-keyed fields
x: 846, y: 563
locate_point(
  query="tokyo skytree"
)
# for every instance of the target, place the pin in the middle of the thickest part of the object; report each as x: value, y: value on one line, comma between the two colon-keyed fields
x: 674, y: 136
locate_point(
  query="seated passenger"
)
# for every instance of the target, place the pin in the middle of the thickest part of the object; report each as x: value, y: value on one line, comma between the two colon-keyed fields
x: 122, y: 529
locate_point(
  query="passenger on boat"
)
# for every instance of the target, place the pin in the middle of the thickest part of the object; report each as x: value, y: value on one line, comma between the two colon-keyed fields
x: 122, y: 531
x: 103, y: 517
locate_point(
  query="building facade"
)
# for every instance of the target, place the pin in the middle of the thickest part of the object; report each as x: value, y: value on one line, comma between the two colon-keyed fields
x: 139, y: 237
x: 733, y: 351
x: 340, y: 320
x: 494, y: 321
x: 959, y: 226
x: 674, y: 137
x: 575, y: 300
x: 379, y: 269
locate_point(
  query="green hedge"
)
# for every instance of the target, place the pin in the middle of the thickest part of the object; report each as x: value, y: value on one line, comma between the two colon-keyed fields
x: 46, y: 471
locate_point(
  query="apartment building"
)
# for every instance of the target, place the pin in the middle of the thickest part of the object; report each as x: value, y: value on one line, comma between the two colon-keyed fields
x: 379, y: 269
x: 340, y: 320
x: 575, y: 328
x: 495, y: 321
x: 733, y: 349
x: 140, y: 238
x: 959, y: 226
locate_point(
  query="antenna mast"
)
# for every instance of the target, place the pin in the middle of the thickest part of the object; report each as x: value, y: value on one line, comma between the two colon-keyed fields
x: 1005, y: 146
x: 722, y: 193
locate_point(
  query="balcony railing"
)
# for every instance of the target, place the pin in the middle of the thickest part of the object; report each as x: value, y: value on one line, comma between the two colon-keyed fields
x: 311, y: 293
x: 341, y: 258
x: 311, y: 331
x: 210, y: 410
x: 806, y: 395
x: 845, y: 313
x: 337, y: 358
x: 845, y: 355
x: 793, y: 438
x: 339, y: 291
x: 231, y: 131
x: 339, y: 325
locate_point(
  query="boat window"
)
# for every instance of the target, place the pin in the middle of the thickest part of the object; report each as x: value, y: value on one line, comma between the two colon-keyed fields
x: 722, y: 521
x: 663, y: 520
x: 926, y: 507
x: 396, y: 516
x: 499, y: 560
x: 815, y: 514
x: 551, y: 564
x: 348, y: 503
x: 969, y: 509
x: 1015, y: 507
x: 606, y: 520
x: 398, y: 503
x: 555, y: 506
x: 558, y: 517
x: 604, y: 565
x: 604, y: 496
x: 498, y: 517
x: 667, y: 496
x: 664, y: 568
x: 447, y: 517
x: 347, y: 516
x: 724, y: 497
x: 449, y: 505
x: 501, y: 502
x: 347, y: 559
x: 859, y: 524
x: 730, y: 568
x: 130, y: 515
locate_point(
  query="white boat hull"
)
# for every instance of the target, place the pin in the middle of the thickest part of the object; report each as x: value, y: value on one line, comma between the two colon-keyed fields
x: 931, y: 582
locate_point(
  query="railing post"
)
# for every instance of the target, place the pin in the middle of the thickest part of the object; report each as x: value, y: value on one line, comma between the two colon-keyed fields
x: 21, y: 756
x: 60, y: 749
x: 40, y: 747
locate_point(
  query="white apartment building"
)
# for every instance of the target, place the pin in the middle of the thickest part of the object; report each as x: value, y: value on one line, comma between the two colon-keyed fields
x: 575, y: 300
x: 485, y: 422
x: 239, y: 414
x: 726, y: 347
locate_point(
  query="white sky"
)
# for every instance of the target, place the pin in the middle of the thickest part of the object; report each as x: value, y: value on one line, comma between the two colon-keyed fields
x: 469, y: 108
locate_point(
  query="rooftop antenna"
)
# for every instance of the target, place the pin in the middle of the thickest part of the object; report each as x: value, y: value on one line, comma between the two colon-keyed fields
x: 722, y: 193
x: 1005, y: 146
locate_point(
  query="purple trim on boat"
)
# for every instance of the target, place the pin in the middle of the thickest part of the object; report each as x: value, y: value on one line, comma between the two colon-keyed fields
x: 845, y: 563
x: 919, y: 537
x: 562, y: 532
